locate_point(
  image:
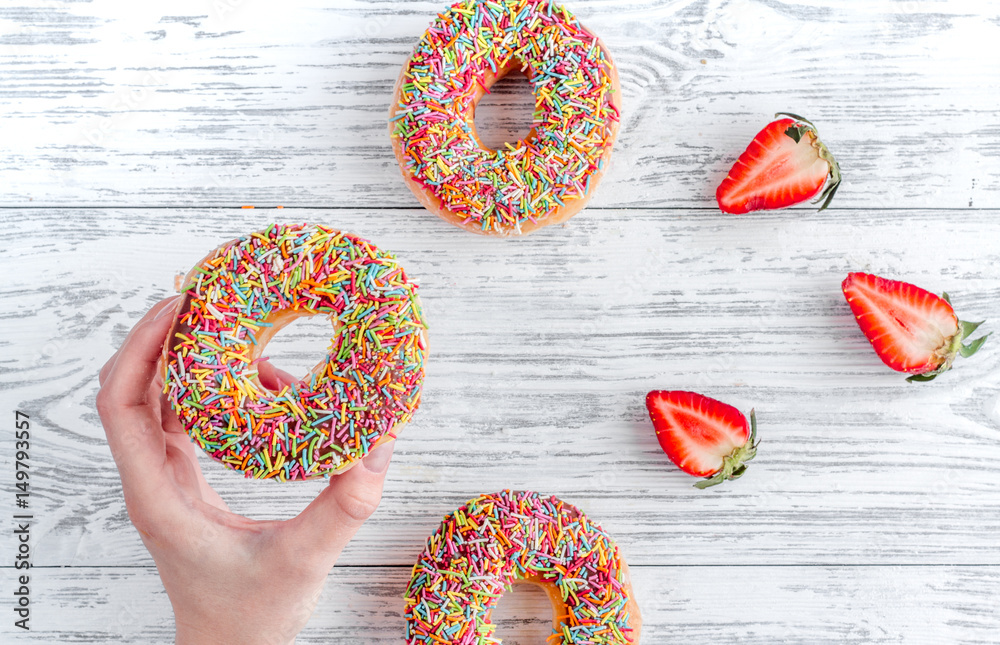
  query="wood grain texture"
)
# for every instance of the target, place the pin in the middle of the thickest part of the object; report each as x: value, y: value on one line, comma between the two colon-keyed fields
x: 131, y: 134
x: 541, y: 352
x: 226, y: 103
x: 754, y: 605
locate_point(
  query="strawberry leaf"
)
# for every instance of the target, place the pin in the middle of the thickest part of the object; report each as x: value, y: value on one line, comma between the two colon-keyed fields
x: 922, y: 378
x: 946, y: 297
x: 973, y: 347
x: 834, y: 182
x: 969, y: 327
x: 794, y: 132
x: 715, y: 479
x: 829, y: 192
x: 796, y: 117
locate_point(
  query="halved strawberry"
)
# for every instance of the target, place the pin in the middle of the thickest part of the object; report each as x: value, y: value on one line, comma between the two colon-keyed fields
x: 704, y: 437
x: 912, y: 330
x: 785, y: 164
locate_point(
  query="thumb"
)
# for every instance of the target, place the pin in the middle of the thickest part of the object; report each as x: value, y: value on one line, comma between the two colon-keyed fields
x: 332, y: 519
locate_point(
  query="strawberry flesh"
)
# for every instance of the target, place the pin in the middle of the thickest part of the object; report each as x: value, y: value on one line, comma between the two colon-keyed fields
x: 911, y: 330
x: 702, y: 436
x: 785, y: 164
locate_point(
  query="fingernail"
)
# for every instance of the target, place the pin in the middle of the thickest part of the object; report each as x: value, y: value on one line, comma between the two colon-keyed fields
x: 284, y: 378
x: 167, y: 308
x: 378, y: 460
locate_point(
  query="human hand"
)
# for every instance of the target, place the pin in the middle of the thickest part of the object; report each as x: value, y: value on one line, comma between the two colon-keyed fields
x: 230, y: 579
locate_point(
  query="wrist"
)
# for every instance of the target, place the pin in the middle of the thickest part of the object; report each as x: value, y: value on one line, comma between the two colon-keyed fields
x: 188, y: 633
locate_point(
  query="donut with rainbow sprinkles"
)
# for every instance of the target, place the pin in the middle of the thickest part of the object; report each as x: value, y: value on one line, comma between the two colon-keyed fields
x: 513, y: 537
x: 545, y: 178
x: 236, y: 299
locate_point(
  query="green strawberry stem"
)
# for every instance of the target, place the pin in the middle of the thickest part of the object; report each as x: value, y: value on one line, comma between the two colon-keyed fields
x: 735, y: 463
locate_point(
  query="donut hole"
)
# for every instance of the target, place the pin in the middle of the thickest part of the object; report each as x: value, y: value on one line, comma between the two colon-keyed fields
x: 300, y: 345
x: 523, y: 615
x: 506, y: 113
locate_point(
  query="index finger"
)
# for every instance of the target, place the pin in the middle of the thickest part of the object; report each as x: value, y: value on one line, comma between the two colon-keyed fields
x: 153, y: 312
x: 131, y: 420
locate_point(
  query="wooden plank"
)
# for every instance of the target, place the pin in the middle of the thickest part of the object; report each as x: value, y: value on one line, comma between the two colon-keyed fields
x: 541, y: 352
x: 223, y: 103
x: 872, y: 512
x: 754, y: 605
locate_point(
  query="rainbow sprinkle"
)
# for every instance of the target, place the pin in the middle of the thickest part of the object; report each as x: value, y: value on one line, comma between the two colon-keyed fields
x: 493, y: 540
x: 369, y: 384
x: 575, y: 121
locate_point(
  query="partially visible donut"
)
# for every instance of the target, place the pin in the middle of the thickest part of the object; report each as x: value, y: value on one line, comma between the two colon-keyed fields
x: 508, y: 537
x: 236, y: 299
x: 545, y: 178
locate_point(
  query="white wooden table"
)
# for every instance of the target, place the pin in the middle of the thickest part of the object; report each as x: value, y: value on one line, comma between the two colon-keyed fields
x: 132, y: 133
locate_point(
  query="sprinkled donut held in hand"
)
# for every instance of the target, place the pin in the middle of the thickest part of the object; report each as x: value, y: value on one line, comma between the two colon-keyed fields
x: 543, y: 179
x: 510, y: 537
x: 243, y: 293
